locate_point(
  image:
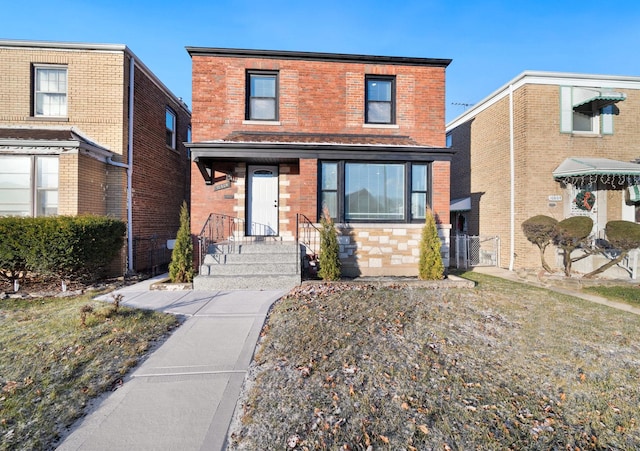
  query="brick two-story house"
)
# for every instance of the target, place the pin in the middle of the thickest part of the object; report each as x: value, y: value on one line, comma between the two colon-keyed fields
x: 540, y: 145
x: 88, y: 128
x: 281, y: 133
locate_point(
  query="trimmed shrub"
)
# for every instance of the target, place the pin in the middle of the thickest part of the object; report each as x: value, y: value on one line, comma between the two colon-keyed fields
x: 12, y: 260
x: 623, y: 236
x: 540, y: 230
x: 430, y: 266
x: 329, y: 259
x: 570, y: 233
x: 73, y: 247
x: 181, y: 266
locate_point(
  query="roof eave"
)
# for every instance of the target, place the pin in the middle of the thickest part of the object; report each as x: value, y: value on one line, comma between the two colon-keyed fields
x: 317, y: 56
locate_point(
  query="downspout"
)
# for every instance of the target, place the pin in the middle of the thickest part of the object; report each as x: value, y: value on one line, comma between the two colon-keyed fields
x: 129, y: 167
x: 512, y: 177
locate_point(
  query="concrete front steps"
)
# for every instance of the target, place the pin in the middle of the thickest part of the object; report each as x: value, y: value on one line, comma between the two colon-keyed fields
x: 253, y: 266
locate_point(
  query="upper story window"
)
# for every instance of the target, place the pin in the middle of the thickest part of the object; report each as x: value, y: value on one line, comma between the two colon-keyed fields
x: 50, y: 91
x: 380, y: 100
x: 170, y: 120
x: 28, y: 185
x: 262, y: 96
x: 588, y: 110
x: 449, y: 141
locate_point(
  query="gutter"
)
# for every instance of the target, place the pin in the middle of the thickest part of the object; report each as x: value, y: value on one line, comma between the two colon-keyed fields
x: 512, y: 182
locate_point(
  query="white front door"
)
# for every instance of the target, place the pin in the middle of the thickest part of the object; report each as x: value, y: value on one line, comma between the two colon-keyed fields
x: 262, y: 214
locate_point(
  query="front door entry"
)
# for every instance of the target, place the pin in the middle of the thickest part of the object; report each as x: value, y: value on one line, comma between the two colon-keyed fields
x: 262, y: 214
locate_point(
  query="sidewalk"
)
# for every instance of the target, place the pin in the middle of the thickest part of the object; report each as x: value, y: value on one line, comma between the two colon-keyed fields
x: 183, y: 396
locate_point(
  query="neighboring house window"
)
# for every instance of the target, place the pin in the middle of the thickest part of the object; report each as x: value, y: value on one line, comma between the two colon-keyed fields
x: 449, y: 142
x: 374, y: 192
x: 171, y: 128
x: 380, y: 100
x: 262, y: 96
x: 50, y: 91
x: 28, y: 185
x: 588, y: 110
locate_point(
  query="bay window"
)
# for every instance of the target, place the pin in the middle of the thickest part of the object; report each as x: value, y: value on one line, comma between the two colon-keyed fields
x: 374, y: 192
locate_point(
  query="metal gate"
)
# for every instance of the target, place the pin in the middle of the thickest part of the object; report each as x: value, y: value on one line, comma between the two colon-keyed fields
x: 476, y: 251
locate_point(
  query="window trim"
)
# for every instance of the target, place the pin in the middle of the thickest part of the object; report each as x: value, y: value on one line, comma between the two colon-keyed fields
x: 392, y: 101
x: 169, y: 112
x: 407, y: 189
x: 248, y: 97
x: 34, y: 90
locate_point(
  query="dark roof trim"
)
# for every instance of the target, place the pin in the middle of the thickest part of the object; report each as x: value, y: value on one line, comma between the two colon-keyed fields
x: 279, y: 151
x: 315, y: 56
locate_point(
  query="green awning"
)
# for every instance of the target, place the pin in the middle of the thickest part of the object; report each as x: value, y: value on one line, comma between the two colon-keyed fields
x: 585, y: 98
x: 578, y: 167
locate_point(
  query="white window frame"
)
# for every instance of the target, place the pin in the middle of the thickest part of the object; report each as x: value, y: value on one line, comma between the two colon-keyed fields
x: 38, y: 93
x: 36, y: 188
x: 171, y: 126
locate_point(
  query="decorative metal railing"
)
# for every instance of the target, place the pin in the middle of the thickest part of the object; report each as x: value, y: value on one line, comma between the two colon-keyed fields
x: 308, y: 237
x: 221, y: 234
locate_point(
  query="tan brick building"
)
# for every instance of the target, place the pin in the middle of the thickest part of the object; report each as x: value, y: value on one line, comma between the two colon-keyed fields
x: 88, y: 128
x: 279, y: 133
x: 539, y: 145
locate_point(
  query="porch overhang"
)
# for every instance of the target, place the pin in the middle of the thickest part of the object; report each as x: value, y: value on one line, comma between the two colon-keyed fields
x: 577, y: 170
x: 216, y: 156
x: 578, y: 166
x: 462, y: 204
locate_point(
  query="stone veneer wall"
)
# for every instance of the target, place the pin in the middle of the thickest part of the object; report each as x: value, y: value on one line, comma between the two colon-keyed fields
x: 384, y: 249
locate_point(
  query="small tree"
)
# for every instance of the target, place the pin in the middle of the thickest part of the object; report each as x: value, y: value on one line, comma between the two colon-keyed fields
x: 623, y: 236
x: 540, y: 231
x: 430, y: 266
x: 329, y: 250
x: 569, y: 235
x: 181, y: 266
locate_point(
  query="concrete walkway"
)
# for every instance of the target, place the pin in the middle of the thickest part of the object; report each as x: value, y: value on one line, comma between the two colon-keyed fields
x: 183, y: 396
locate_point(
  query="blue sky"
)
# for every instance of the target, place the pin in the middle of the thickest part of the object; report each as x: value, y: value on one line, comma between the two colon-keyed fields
x: 490, y: 42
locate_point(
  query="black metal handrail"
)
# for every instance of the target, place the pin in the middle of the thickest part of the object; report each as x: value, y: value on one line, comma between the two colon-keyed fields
x: 308, y: 236
x: 226, y: 232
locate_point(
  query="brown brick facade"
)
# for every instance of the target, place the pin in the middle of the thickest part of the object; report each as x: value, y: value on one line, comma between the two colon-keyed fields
x: 481, y: 166
x: 98, y: 110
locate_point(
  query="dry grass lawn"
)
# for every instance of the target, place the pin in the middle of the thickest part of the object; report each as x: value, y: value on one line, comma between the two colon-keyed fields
x: 501, y: 366
x: 51, y: 365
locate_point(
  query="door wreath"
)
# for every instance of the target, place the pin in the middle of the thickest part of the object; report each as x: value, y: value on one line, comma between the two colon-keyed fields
x: 585, y: 200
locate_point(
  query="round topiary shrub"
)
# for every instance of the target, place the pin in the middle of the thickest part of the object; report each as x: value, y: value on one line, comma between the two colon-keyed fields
x: 571, y: 233
x: 540, y: 231
x: 623, y: 235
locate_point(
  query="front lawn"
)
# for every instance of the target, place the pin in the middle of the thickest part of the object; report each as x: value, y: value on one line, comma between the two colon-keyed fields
x: 51, y: 365
x: 501, y: 366
x: 627, y: 294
